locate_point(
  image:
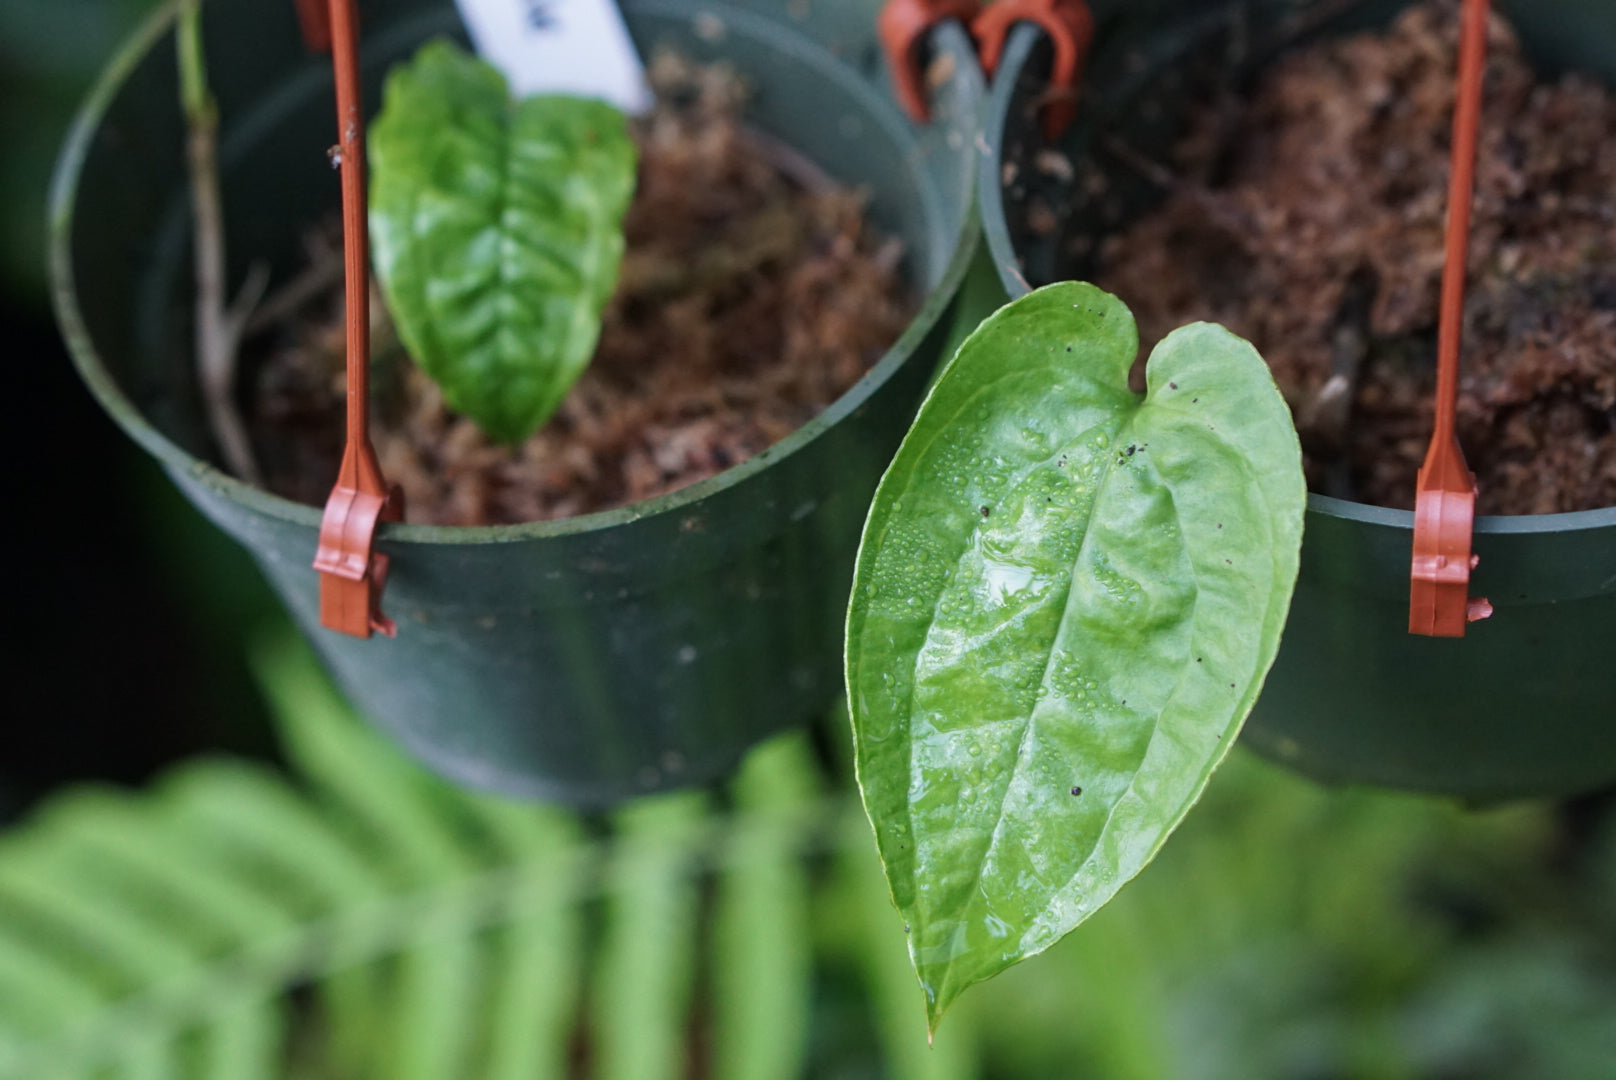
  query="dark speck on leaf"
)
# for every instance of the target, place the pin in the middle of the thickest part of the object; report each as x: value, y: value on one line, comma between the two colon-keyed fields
x: 986, y: 510
x: 1068, y: 348
x: 1077, y: 791
x: 1197, y: 659
x: 1172, y: 386
x: 1193, y: 400
x: 1132, y: 450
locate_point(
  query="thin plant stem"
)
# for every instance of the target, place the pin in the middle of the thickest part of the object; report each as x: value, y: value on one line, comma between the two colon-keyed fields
x: 218, y: 325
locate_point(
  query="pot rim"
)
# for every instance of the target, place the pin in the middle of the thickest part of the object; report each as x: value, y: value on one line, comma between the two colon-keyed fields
x: 996, y: 234
x: 63, y: 191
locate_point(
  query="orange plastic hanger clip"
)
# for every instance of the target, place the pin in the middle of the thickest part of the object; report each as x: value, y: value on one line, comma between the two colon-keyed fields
x: 352, y: 573
x: 1070, y: 27
x: 902, y: 27
x: 1445, y: 501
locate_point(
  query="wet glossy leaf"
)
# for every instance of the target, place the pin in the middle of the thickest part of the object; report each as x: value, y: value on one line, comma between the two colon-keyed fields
x: 1066, y: 601
x: 497, y: 232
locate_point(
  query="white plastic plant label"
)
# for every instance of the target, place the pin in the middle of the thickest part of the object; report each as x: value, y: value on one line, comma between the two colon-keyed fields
x: 576, y: 47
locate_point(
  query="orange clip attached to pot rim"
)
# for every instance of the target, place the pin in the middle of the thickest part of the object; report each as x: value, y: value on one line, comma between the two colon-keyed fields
x: 902, y: 27
x: 1070, y: 27
x: 1444, y: 517
x: 353, y: 574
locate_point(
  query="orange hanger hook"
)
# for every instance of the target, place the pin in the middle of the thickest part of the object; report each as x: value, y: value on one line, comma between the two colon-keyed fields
x: 902, y: 27
x: 1445, y: 503
x: 352, y: 573
x: 1070, y: 27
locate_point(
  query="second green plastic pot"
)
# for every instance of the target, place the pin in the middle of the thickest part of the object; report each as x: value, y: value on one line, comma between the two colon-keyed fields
x: 1525, y: 704
x: 585, y: 660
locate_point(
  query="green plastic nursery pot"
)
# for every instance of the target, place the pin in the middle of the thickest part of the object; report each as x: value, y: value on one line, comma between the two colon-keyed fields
x: 1525, y: 704
x: 585, y: 660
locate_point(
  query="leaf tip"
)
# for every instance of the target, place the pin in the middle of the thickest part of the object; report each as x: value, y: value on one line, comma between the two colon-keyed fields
x: 936, y: 1006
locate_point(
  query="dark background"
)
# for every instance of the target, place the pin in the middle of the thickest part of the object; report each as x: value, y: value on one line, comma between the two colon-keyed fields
x: 124, y: 650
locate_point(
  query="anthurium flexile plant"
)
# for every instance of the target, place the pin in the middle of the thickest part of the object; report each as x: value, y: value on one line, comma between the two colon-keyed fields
x: 1066, y: 601
x: 497, y: 230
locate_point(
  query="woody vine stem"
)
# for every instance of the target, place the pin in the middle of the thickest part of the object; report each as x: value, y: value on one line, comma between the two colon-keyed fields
x: 219, y: 325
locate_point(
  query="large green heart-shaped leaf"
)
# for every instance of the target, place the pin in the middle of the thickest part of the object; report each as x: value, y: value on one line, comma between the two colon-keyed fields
x: 1066, y: 601
x: 497, y: 232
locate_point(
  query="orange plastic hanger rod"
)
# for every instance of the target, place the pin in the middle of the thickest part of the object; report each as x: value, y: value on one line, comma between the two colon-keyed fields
x: 1445, y: 502
x: 355, y: 219
x: 352, y: 573
x: 1461, y: 189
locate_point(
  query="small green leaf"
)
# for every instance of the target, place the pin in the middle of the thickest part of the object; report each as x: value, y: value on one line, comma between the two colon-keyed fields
x: 1066, y: 601
x: 497, y: 232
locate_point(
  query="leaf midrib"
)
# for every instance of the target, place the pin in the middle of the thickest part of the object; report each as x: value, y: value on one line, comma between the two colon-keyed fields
x: 1049, y: 657
x: 1109, y: 470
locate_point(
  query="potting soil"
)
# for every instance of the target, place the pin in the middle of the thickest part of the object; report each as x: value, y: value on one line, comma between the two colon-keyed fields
x: 1315, y: 228
x: 752, y: 295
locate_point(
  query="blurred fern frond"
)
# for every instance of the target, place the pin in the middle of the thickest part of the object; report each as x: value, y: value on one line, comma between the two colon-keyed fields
x: 375, y: 922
